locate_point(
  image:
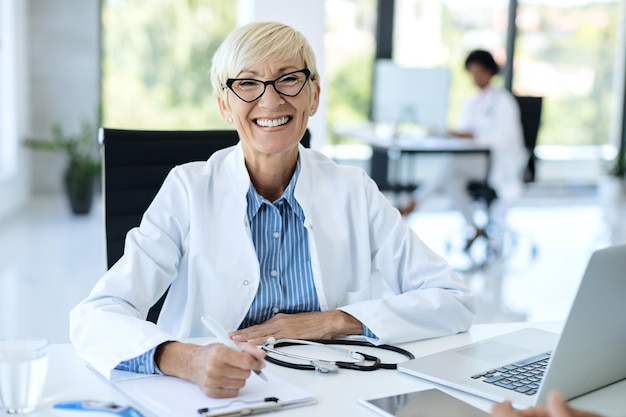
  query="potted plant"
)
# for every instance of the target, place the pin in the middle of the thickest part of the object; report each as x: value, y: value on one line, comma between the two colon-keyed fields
x: 83, y: 163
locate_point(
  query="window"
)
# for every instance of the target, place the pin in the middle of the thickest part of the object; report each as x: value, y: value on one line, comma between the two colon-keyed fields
x: 349, y: 46
x: 8, y: 98
x: 566, y: 51
x: 157, y: 60
x: 430, y: 33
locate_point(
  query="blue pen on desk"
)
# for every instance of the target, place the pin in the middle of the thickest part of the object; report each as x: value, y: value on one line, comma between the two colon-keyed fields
x: 222, y: 336
x: 119, y: 410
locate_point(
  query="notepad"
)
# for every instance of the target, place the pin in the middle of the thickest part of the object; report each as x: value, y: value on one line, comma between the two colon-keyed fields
x: 167, y: 396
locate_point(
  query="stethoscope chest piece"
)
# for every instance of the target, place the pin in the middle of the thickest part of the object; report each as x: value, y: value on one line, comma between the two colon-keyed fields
x: 324, y: 367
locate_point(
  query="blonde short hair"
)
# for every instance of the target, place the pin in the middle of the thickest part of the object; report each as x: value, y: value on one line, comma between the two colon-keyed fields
x: 256, y: 43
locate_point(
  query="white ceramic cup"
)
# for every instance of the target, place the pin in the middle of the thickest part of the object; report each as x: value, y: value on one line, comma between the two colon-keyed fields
x: 23, y: 367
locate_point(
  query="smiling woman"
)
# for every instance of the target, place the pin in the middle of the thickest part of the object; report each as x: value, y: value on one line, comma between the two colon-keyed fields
x: 270, y: 121
x: 311, y: 238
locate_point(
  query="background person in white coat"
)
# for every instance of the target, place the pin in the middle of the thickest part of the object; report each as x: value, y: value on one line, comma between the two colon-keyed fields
x: 490, y: 117
x: 266, y: 237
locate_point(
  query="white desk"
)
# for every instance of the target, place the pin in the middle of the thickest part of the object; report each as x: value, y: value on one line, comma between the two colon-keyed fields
x: 409, y: 141
x: 387, y: 147
x: 70, y: 379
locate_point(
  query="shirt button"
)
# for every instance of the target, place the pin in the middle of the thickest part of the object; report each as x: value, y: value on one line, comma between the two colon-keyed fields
x: 245, y: 282
x: 142, y: 369
x: 276, y: 235
x: 275, y: 310
x: 274, y: 273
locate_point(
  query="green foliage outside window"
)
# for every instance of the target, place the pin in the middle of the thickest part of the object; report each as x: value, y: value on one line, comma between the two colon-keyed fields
x: 578, y: 43
x: 157, y: 60
x: 350, y: 91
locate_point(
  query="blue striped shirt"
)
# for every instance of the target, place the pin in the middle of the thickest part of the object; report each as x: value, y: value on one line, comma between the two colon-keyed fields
x: 282, y: 248
x: 143, y: 364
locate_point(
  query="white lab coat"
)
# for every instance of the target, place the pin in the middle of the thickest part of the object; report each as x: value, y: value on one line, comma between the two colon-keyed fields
x: 195, y: 236
x: 493, y: 117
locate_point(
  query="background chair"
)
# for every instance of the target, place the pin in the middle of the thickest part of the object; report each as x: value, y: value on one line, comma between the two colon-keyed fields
x: 135, y: 163
x: 481, y: 192
x: 530, y: 113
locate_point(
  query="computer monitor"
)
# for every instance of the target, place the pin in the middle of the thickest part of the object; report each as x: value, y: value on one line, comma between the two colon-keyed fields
x: 410, y: 95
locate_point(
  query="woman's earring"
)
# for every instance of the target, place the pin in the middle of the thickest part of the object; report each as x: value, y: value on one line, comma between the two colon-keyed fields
x: 312, y: 112
x: 230, y: 119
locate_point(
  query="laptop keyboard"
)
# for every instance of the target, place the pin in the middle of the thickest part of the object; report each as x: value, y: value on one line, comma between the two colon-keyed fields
x: 523, y: 376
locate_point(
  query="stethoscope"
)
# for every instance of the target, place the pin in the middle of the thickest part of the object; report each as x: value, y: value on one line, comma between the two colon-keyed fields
x: 359, y: 361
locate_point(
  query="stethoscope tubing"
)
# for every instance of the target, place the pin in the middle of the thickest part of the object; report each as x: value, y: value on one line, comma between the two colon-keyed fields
x: 325, y: 366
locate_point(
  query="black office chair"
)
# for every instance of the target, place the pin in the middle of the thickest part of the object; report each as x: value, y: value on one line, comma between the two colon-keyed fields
x: 135, y: 163
x: 530, y: 113
x: 482, y: 192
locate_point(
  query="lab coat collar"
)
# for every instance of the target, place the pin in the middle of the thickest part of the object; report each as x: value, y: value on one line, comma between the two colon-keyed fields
x: 240, y: 179
x: 304, y: 186
x: 236, y: 165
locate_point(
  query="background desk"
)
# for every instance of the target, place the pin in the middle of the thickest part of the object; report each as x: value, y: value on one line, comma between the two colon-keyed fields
x: 70, y: 379
x: 387, y: 150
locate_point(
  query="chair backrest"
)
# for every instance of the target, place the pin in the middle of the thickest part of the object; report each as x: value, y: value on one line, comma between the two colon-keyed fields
x: 530, y: 113
x: 135, y: 163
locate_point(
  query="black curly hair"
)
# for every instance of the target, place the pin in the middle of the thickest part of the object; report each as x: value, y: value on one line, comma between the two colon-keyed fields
x: 484, y: 59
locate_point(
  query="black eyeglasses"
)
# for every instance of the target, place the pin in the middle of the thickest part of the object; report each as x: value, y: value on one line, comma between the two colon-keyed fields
x: 249, y: 89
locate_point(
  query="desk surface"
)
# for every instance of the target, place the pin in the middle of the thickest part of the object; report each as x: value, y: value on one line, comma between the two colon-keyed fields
x: 382, y: 137
x: 336, y: 394
x: 388, y: 148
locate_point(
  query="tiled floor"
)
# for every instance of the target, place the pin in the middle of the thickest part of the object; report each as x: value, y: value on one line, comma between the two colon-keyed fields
x: 49, y: 260
x: 541, y: 270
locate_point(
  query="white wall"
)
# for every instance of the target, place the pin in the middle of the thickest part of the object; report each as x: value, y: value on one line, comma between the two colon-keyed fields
x: 307, y: 18
x: 64, y: 77
x: 13, y: 104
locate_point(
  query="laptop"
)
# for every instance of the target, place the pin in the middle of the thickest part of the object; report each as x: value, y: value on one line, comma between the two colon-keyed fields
x: 525, y: 365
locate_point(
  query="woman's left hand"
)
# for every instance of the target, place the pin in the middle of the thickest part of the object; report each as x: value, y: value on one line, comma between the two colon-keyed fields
x: 313, y: 325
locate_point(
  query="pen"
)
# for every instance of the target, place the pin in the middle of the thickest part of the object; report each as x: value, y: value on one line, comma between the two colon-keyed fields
x: 222, y: 336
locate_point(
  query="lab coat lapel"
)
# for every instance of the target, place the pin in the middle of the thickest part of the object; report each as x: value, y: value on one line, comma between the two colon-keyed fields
x: 305, y: 195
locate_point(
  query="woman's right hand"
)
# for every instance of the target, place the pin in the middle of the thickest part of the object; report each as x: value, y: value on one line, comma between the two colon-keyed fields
x: 218, y: 370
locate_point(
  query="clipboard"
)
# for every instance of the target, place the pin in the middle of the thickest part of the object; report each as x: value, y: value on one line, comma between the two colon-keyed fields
x: 168, y: 396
